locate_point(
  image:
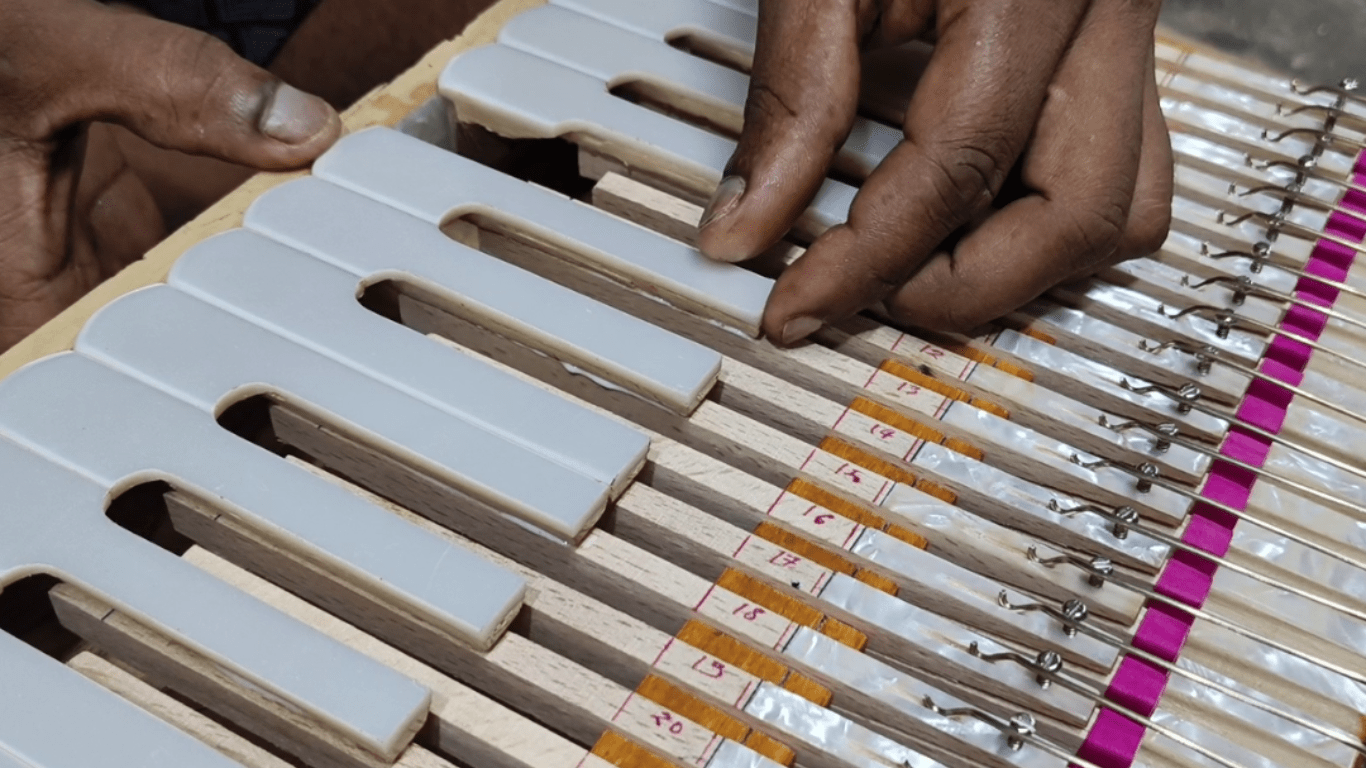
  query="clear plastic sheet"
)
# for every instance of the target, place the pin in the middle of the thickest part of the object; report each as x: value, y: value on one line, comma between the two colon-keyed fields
x: 830, y: 732
x: 980, y: 594
x: 948, y: 640
x: 733, y: 755
x: 1103, y: 377
x: 1031, y: 499
x: 1165, y: 280
x: 906, y: 696
x: 1263, y: 663
x: 1197, y: 328
x: 1206, y: 218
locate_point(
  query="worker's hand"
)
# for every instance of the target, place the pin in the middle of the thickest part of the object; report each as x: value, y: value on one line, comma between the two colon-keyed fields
x: 1062, y: 90
x: 71, y: 213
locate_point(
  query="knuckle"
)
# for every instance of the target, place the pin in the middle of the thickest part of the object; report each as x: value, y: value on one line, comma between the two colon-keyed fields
x: 1146, y: 231
x: 1095, y: 230
x: 967, y: 176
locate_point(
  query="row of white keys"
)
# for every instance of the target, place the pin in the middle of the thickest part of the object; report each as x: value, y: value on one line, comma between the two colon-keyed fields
x: 314, y: 303
x: 435, y: 185
x: 407, y: 172
x: 671, y: 19
x: 210, y: 359
x: 613, y: 54
x: 660, y: 21
x: 542, y: 99
x: 469, y: 83
x: 55, y: 522
x: 648, y: 361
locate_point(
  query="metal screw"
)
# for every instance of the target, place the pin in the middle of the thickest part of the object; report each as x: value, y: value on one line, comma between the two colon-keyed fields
x: 1048, y: 663
x: 1024, y: 727
x: 1101, y: 568
x: 1125, y: 517
x: 1075, y: 612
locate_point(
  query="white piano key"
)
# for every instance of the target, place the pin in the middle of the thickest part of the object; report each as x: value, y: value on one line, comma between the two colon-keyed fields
x: 54, y: 718
x: 547, y: 100
x: 615, y: 55
x: 374, y: 241
x: 210, y: 358
x: 433, y: 184
x: 54, y: 521
x: 313, y: 303
x: 666, y: 20
x: 126, y: 432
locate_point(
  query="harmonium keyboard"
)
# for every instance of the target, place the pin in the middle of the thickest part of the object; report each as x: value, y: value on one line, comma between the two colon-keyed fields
x: 456, y: 453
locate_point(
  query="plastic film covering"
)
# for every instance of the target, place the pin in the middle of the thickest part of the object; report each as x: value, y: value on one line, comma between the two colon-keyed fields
x: 1003, y: 554
x: 1187, y: 213
x: 1094, y: 534
x: 1199, y: 183
x: 950, y: 641
x: 1103, y: 377
x: 1326, y: 431
x: 1222, y: 156
x: 1152, y: 312
x: 1101, y: 338
x: 907, y: 695
x: 979, y: 593
x: 734, y: 755
x: 1272, y: 277
x: 1241, y: 102
x: 1316, y: 620
x: 1185, y: 698
x: 1059, y: 455
x: 826, y: 731
x: 1166, y: 280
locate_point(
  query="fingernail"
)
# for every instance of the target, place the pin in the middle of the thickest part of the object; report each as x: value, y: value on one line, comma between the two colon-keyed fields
x: 799, y: 328
x: 726, y: 198
x: 294, y: 116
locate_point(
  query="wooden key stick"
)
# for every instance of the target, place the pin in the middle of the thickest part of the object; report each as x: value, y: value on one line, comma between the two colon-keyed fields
x: 740, y: 441
x: 981, y: 605
x: 467, y: 723
x: 553, y: 688
x: 748, y: 607
x: 202, y: 727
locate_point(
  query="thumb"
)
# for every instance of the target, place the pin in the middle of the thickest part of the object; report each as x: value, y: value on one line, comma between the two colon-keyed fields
x: 185, y: 90
x: 803, y: 99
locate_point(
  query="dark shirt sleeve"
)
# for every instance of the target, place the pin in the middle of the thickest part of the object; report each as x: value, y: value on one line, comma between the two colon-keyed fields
x: 256, y: 29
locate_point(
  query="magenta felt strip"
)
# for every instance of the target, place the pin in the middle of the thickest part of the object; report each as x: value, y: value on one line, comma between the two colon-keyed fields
x: 1114, y: 739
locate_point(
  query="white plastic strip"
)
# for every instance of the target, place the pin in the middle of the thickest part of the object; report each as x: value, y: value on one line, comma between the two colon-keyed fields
x: 210, y: 359
x: 978, y: 743
x: 436, y: 186
x: 314, y: 304
x: 374, y: 242
x: 54, y: 718
x: 56, y: 522
x: 532, y: 97
x: 615, y: 55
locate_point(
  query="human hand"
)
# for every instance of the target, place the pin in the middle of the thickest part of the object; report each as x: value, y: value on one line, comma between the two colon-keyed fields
x: 1061, y: 90
x: 71, y: 211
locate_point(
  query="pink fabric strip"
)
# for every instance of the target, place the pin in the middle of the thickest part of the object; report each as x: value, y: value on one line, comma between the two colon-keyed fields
x: 1138, y: 685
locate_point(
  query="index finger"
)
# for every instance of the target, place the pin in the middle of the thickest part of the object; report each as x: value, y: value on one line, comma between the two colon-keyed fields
x: 967, y: 124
